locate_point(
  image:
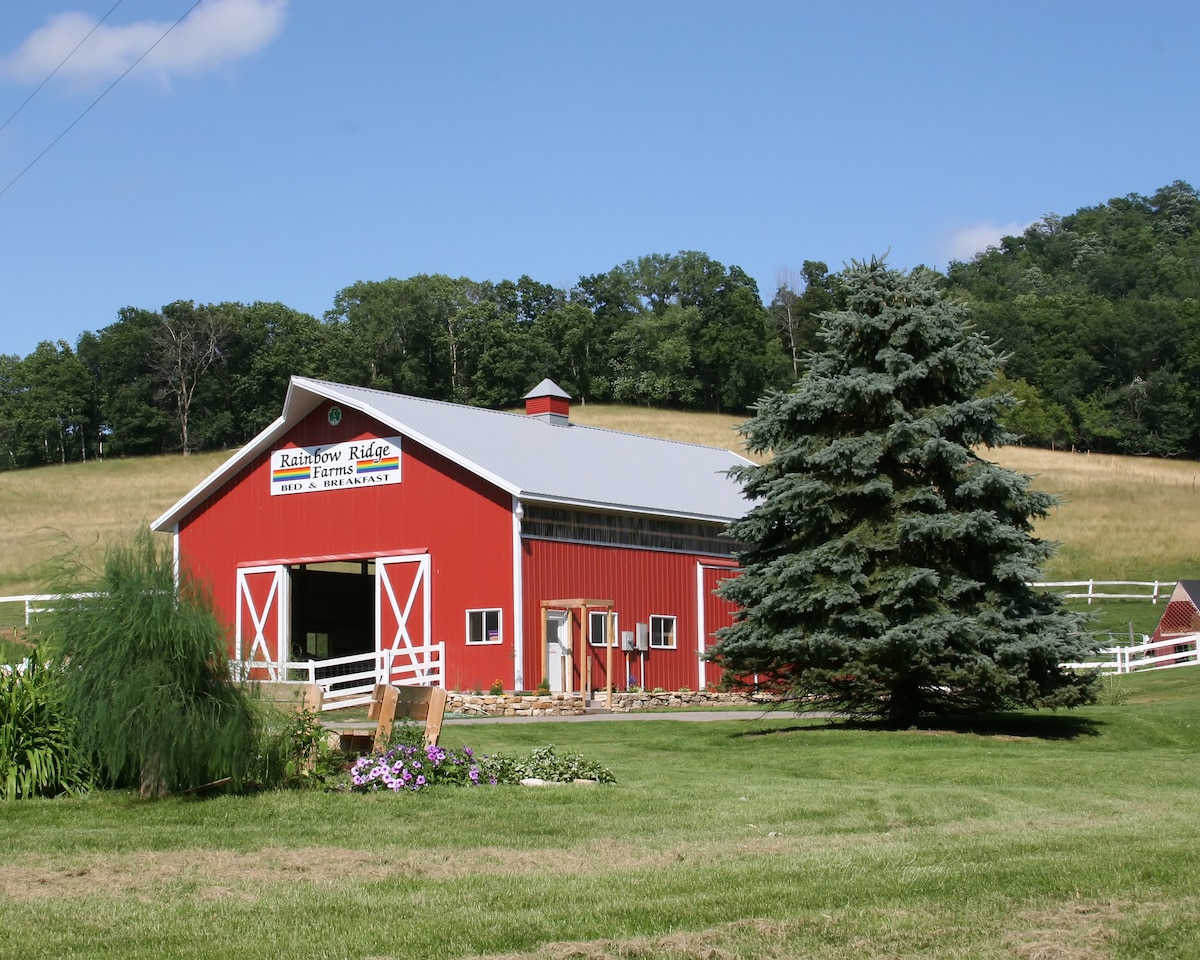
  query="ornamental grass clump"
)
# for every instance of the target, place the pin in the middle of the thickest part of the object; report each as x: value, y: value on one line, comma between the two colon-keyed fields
x: 145, y: 679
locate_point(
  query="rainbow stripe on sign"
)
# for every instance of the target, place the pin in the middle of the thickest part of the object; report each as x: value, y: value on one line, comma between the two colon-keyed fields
x: 382, y: 465
x: 284, y: 474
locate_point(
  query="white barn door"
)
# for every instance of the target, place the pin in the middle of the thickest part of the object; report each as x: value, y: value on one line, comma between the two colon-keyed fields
x: 261, y: 641
x: 402, y: 613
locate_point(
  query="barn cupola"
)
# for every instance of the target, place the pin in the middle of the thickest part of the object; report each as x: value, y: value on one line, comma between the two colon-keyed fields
x: 548, y: 401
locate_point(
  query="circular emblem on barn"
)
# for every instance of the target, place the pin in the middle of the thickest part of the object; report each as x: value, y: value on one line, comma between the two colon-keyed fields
x: 334, y: 416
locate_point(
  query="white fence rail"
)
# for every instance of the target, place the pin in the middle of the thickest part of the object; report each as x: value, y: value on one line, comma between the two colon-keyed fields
x: 34, y: 603
x: 1160, y: 655
x: 1154, y: 591
x: 345, y: 681
x: 350, y: 681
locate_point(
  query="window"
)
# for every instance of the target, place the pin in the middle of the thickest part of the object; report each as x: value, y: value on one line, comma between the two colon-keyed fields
x: 598, y: 628
x: 662, y: 632
x: 483, y: 626
x: 625, y: 529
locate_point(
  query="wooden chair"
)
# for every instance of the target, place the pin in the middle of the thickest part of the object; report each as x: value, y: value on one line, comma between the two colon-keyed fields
x: 389, y: 703
x: 427, y: 704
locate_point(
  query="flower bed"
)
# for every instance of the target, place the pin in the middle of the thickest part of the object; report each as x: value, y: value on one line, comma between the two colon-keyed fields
x: 408, y: 767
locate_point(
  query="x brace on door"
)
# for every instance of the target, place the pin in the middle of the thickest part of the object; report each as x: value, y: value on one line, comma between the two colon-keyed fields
x: 275, y: 602
x: 390, y: 582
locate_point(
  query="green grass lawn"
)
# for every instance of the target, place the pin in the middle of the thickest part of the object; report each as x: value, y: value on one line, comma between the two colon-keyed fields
x: 1071, y: 835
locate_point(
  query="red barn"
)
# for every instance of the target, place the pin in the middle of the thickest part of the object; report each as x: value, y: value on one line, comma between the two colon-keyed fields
x: 448, y: 544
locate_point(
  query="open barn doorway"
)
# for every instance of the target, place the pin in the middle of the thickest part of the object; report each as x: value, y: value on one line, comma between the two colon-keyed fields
x: 352, y: 618
x: 333, y: 609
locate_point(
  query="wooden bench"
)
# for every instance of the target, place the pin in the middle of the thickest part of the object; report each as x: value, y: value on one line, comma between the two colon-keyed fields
x: 388, y: 704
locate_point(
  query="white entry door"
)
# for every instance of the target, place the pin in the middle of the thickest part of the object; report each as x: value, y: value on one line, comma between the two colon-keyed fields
x: 558, y: 645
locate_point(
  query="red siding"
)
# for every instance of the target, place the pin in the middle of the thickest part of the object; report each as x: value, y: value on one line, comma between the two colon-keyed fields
x: 641, y: 583
x: 463, y: 522
x: 542, y: 405
x: 717, y: 612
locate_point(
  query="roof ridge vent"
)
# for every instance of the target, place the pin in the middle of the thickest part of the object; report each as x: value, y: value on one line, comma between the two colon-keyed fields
x: 549, y: 402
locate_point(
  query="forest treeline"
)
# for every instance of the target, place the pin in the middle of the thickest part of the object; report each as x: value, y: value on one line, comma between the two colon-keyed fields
x: 1097, y: 314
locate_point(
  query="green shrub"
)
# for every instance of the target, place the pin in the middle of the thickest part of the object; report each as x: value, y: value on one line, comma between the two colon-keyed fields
x: 543, y: 763
x: 292, y: 751
x: 146, y: 679
x: 36, y: 757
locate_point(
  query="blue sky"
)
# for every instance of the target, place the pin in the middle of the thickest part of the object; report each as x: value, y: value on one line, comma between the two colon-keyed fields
x: 281, y: 150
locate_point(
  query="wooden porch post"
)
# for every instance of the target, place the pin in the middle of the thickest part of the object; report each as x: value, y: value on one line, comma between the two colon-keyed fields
x: 610, y: 636
x: 545, y: 647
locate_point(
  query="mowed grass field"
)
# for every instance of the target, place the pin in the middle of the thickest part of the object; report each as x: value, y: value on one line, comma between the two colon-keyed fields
x: 1052, y: 837
x: 1069, y: 836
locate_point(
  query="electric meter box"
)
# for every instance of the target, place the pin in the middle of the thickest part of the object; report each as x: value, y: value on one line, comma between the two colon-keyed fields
x: 627, y: 641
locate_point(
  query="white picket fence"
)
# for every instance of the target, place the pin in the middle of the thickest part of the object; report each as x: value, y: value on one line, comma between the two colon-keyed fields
x: 350, y: 681
x: 1156, y: 589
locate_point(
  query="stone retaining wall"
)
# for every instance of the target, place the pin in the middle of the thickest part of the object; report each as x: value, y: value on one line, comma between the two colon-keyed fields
x: 652, y: 700
x: 510, y: 705
x: 574, y: 704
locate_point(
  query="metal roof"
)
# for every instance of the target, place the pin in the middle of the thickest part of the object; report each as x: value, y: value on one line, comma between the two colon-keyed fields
x: 528, y: 457
x: 547, y: 388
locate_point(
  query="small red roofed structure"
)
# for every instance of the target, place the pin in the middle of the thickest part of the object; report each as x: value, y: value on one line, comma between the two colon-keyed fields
x: 1180, y: 620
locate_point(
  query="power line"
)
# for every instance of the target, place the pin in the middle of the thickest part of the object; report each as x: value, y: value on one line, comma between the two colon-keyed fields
x: 107, y: 90
x: 60, y: 66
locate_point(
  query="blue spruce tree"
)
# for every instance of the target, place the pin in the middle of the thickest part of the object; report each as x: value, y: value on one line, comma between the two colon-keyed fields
x: 889, y: 562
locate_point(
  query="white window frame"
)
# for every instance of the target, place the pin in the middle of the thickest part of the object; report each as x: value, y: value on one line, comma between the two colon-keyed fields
x: 592, y: 641
x: 483, y: 612
x: 672, y: 633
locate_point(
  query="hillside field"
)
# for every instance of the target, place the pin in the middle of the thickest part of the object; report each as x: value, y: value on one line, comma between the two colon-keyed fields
x: 1122, y: 518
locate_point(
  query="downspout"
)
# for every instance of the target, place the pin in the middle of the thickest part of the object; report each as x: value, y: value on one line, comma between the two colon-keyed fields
x: 518, y: 631
x: 701, y: 677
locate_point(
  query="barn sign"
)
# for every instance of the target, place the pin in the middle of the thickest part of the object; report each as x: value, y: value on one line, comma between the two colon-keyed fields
x: 337, y: 466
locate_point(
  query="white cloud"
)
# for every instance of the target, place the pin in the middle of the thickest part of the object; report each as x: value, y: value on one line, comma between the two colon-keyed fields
x: 963, y: 243
x: 216, y: 32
